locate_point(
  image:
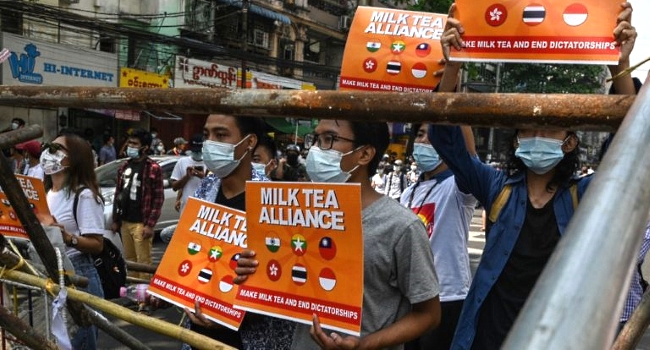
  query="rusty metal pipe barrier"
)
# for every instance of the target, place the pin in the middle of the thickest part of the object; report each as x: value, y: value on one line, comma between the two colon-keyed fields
x: 564, y: 111
x: 578, y: 300
x: 635, y: 327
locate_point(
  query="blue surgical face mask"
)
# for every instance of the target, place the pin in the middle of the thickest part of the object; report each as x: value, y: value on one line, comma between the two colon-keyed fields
x: 426, y: 156
x: 259, y: 168
x: 219, y: 157
x: 325, y: 166
x: 540, y: 154
x: 132, y: 152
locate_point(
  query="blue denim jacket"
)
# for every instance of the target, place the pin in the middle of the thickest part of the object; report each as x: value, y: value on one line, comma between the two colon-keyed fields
x: 485, y: 183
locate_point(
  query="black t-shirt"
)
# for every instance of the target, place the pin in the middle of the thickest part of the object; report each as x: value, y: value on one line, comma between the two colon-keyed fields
x: 537, y: 240
x: 132, y: 192
x: 225, y: 335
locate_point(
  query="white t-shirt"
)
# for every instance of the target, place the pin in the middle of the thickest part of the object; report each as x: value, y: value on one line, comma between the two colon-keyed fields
x: 446, y: 213
x: 378, y: 181
x: 180, y: 169
x: 35, y: 171
x: 90, y: 214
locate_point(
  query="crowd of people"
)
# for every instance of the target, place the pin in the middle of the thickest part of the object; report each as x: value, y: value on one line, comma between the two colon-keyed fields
x: 419, y: 291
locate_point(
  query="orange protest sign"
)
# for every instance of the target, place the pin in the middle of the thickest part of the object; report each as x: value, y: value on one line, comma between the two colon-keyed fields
x: 309, y: 245
x: 200, y: 260
x: 544, y: 31
x: 34, y: 190
x: 392, y: 50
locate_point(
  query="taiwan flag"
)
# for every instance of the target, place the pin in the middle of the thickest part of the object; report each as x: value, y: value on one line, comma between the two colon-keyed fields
x: 233, y: 261
x: 327, y: 248
x: 423, y: 50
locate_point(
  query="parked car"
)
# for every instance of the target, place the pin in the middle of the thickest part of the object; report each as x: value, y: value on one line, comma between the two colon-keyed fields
x: 107, y: 178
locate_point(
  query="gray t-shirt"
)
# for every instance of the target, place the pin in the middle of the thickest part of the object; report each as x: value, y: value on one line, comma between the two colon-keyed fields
x: 398, y: 269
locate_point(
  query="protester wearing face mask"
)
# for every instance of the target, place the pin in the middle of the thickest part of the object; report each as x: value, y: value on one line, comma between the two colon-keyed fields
x: 227, y: 152
x: 413, y: 173
x: 138, y: 200
x: 263, y: 161
x: 400, y: 300
x: 534, y: 201
x: 446, y: 212
x: 396, y: 181
x: 290, y: 168
x: 185, y: 179
x: 157, y: 147
x: 72, y: 172
x: 32, y: 153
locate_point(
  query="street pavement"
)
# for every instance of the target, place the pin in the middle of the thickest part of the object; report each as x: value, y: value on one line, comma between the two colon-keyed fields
x: 173, y: 315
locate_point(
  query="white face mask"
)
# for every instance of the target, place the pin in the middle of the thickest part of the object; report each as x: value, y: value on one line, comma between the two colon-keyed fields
x: 14, y: 126
x: 219, y: 157
x: 197, y: 156
x: 325, y: 166
x: 51, y: 163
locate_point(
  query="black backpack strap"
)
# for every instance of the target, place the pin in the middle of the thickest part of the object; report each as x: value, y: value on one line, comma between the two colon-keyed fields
x: 642, y: 281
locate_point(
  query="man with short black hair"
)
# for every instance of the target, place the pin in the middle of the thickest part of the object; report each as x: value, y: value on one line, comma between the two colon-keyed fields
x: 290, y: 168
x: 138, y: 199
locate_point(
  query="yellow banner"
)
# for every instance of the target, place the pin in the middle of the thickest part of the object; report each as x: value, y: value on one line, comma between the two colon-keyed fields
x: 544, y: 31
x: 200, y: 260
x: 309, y: 244
x: 10, y: 225
x: 392, y: 50
x: 140, y: 79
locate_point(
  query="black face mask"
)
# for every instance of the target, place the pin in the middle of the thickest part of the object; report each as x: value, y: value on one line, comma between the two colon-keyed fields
x: 292, y: 159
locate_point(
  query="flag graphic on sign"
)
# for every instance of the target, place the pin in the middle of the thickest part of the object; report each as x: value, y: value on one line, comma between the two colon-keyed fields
x: 205, y: 275
x: 185, y: 268
x: 273, y: 243
x: 273, y: 270
x: 393, y: 67
x: 233, y: 261
x: 496, y: 14
x: 373, y: 46
x: 534, y: 14
x: 423, y: 50
x: 575, y: 15
x: 299, y: 244
x: 226, y: 284
x: 397, y: 47
x: 327, y: 279
x: 327, y: 248
x: 193, y: 248
x: 215, y: 253
x: 419, y: 70
x: 299, y: 274
x: 370, y: 65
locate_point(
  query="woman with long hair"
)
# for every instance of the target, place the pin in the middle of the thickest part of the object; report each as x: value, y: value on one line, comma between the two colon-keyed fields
x: 68, y: 161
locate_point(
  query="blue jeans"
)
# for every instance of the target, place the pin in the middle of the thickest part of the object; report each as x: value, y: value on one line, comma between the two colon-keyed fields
x: 86, y: 337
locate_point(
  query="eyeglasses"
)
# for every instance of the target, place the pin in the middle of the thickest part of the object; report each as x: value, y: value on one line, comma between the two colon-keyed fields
x: 324, y: 141
x: 53, y: 147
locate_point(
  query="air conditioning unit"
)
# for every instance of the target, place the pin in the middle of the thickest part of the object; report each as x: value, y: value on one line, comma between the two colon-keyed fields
x: 345, y: 22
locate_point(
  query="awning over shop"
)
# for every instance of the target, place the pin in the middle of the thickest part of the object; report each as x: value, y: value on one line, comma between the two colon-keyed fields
x: 259, y: 10
x: 286, y: 127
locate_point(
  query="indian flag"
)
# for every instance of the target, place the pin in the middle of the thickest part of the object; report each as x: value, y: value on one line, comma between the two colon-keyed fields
x: 273, y: 244
x: 373, y: 46
x: 193, y: 248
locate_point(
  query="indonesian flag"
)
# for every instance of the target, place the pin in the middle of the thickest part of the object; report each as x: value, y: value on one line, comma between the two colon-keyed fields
x: 419, y: 70
x: 226, y: 284
x: 575, y: 15
x: 327, y: 279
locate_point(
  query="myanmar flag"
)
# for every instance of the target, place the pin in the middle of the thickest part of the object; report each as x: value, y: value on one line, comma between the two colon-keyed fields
x: 373, y: 46
x: 299, y: 244
x: 193, y: 248
x: 215, y: 253
x: 273, y: 244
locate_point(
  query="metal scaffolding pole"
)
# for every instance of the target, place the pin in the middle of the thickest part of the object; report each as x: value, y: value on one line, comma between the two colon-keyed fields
x: 578, y: 299
x: 577, y: 112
